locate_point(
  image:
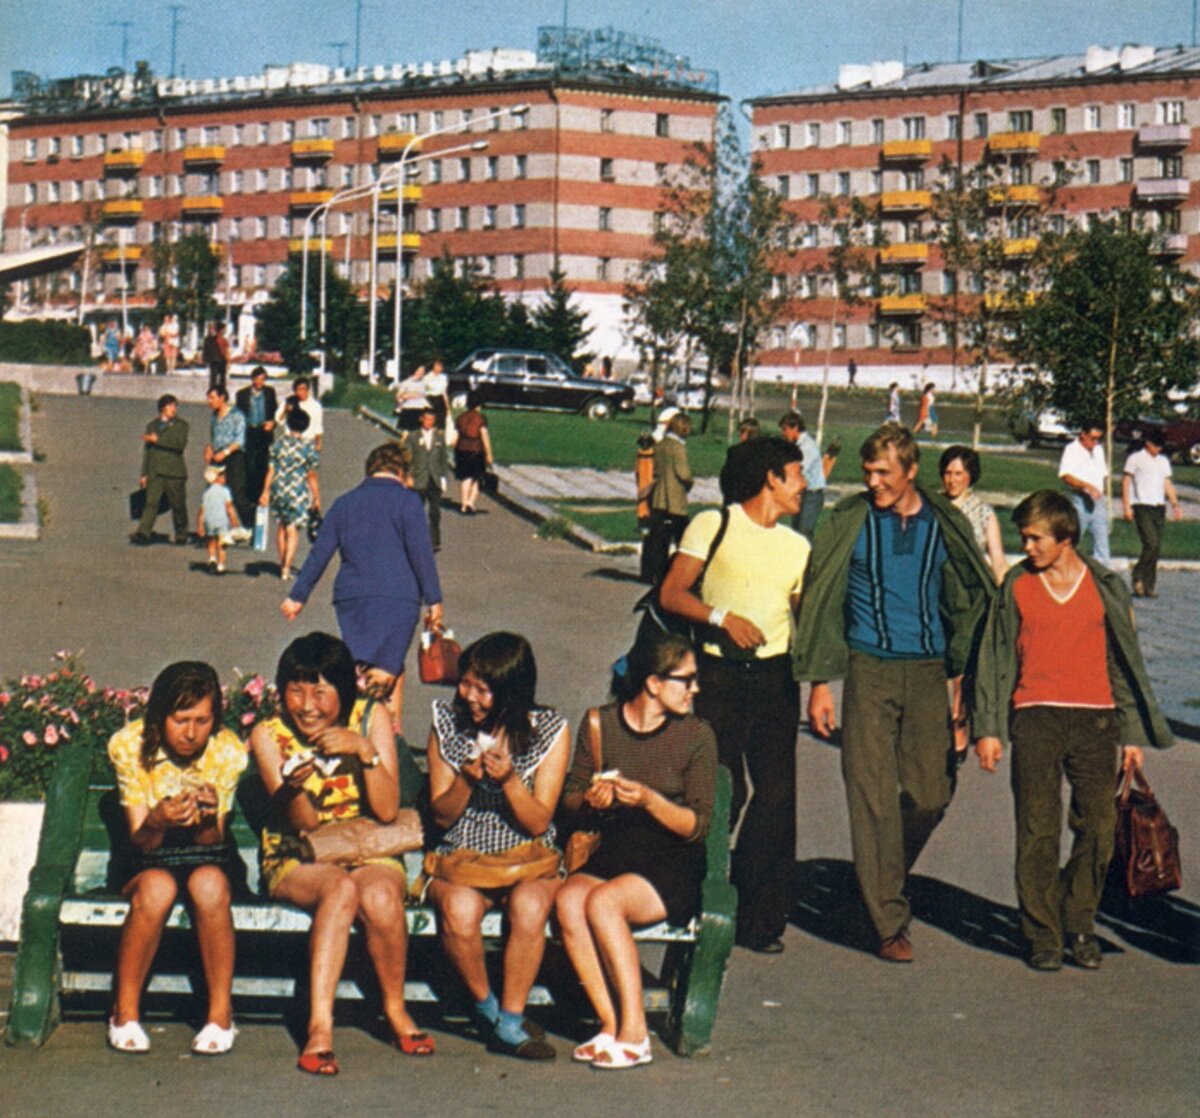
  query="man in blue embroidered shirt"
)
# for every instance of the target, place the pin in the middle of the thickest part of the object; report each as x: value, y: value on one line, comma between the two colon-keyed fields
x: 227, y: 445
x: 894, y: 599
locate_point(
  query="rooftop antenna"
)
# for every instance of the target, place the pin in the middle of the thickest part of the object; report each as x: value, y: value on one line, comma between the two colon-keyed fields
x: 124, y: 25
x: 175, y: 9
x: 339, y: 47
x: 358, y: 8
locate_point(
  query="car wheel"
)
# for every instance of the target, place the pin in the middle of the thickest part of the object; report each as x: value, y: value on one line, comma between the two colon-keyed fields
x: 1193, y: 454
x: 598, y: 409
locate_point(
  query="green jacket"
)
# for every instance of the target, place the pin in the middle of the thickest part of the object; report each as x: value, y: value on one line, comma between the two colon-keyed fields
x: 819, y: 649
x: 672, y: 477
x: 1141, y: 721
x: 165, y: 457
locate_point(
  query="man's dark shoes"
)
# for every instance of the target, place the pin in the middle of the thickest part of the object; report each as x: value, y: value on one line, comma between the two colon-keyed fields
x: 1046, y: 959
x: 772, y: 945
x: 139, y: 540
x: 896, y: 949
x: 1085, y: 951
x: 530, y: 1048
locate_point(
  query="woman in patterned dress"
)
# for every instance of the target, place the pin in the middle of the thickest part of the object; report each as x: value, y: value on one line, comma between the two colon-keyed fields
x: 332, y: 756
x: 960, y: 470
x: 177, y: 772
x: 497, y: 762
x: 291, y: 486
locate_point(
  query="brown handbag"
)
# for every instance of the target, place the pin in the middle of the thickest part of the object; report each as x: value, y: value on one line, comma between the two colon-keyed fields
x: 437, y: 658
x: 1146, y: 857
x: 524, y: 862
x: 581, y: 845
x: 354, y: 841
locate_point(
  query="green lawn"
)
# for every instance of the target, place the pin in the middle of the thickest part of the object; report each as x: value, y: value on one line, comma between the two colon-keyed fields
x: 10, y: 495
x: 10, y: 416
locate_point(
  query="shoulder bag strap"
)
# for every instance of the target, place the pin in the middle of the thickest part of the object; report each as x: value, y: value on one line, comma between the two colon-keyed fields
x: 712, y: 549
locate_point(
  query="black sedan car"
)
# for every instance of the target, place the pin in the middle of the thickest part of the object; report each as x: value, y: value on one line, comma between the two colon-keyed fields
x: 536, y: 381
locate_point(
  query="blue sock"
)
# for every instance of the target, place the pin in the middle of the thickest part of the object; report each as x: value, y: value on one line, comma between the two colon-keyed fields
x: 489, y: 1008
x: 510, y: 1028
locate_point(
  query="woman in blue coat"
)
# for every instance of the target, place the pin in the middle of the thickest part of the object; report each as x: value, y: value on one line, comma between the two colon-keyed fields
x: 387, y: 571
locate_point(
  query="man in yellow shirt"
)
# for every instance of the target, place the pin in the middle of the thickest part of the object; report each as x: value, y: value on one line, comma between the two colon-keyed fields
x: 746, y: 606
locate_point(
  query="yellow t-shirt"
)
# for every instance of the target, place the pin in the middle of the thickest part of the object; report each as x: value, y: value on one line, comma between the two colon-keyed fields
x: 754, y: 573
x: 221, y: 764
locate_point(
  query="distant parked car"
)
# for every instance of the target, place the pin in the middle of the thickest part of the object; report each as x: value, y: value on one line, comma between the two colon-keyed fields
x: 1040, y: 427
x: 683, y: 389
x: 537, y: 381
x: 1181, y: 435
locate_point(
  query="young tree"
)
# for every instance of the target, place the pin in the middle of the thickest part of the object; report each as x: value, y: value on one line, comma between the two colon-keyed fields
x: 185, y: 278
x: 453, y: 312
x: 345, y: 317
x: 560, y: 327
x: 1112, y: 327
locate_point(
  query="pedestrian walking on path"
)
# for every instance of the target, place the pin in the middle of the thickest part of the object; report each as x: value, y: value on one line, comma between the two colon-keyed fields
x: 1083, y: 468
x: 429, y: 470
x: 164, y: 471
x: 1146, y: 487
x: 673, y: 481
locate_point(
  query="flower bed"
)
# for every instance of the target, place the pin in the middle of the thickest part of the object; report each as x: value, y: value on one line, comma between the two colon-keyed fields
x: 39, y: 713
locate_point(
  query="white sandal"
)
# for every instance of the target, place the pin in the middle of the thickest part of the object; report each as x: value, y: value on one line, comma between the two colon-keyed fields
x: 130, y: 1037
x: 622, y: 1055
x: 212, y: 1040
x: 587, y: 1052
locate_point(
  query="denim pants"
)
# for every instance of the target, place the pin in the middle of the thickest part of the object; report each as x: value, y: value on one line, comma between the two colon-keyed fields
x: 1093, y: 517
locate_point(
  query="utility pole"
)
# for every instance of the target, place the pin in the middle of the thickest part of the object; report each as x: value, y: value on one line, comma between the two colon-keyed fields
x: 175, y: 10
x: 124, y: 25
x: 339, y: 47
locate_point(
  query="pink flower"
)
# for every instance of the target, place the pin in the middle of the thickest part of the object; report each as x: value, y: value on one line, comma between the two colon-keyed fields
x: 254, y: 687
x: 3, y: 754
x: 248, y: 718
x: 29, y: 737
x: 72, y: 716
x: 31, y: 680
x: 5, y: 698
x: 50, y: 737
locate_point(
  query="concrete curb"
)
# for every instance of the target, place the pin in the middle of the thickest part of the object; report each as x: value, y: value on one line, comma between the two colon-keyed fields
x: 27, y: 528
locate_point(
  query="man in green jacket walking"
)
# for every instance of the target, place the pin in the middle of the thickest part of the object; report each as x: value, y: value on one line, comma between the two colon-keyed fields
x: 1061, y: 677
x: 894, y: 601
x: 164, y: 472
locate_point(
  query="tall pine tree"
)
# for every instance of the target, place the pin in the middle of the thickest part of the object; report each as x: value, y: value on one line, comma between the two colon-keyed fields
x: 560, y: 327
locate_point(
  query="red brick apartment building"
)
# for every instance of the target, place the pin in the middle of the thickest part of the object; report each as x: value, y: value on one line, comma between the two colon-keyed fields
x: 573, y: 175
x: 1119, y: 118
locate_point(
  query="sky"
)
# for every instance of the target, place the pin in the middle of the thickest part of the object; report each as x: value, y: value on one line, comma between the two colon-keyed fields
x: 757, y: 46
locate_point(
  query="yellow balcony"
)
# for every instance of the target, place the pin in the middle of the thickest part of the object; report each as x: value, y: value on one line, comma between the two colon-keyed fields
x: 131, y: 160
x: 902, y: 304
x: 132, y: 254
x: 307, y: 199
x: 916, y: 253
x: 900, y: 200
x: 409, y: 242
x: 315, y: 244
x: 314, y: 149
x: 1015, y: 143
x: 1020, y: 246
x: 906, y: 151
x: 118, y: 208
x: 392, y: 144
x: 1026, y: 194
x: 1003, y: 303
x: 203, y: 204
x: 204, y: 153
x: 412, y: 194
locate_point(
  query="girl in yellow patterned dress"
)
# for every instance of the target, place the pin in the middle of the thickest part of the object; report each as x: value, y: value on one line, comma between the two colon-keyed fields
x: 331, y: 756
x: 177, y: 772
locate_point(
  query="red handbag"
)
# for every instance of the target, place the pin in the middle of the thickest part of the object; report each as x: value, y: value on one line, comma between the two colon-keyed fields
x: 437, y: 658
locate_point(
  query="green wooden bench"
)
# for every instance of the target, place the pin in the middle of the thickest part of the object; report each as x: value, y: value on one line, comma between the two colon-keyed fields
x: 72, y: 916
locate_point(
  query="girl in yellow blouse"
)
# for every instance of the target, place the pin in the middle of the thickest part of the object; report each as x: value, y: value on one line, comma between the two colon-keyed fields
x: 177, y: 772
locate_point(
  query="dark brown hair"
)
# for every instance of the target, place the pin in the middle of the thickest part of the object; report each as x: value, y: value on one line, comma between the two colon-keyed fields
x: 177, y: 687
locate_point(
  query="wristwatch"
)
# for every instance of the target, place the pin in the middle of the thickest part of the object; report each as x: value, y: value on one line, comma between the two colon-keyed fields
x: 372, y: 762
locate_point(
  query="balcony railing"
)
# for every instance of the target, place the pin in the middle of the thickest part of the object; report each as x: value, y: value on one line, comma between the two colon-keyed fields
x: 409, y: 242
x: 1164, y: 136
x: 1024, y: 194
x: 121, y: 208
x: 412, y: 195
x: 1171, y: 244
x: 204, y: 153
x: 131, y: 160
x: 900, y: 200
x: 1162, y: 190
x: 317, y: 148
x: 132, y: 255
x: 307, y: 199
x: 914, y: 253
x: 393, y: 143
x: 315, y: 244
x: 1020, y: 246
x: 203, y: 204
x: 1003, y: 303
x: 1015, y: 143
x: 902, y: 304
x: 906, y: 151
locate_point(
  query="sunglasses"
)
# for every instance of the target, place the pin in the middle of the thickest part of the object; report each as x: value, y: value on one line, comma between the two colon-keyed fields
x: 688, y: 679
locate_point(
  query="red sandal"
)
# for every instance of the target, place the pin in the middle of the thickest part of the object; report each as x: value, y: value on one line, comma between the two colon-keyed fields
x: 416, y: 1044
x: 318, y: 1063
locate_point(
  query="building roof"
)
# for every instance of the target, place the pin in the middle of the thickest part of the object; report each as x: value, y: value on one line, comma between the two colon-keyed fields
x: 37, y: 261
x: 1095, y: 64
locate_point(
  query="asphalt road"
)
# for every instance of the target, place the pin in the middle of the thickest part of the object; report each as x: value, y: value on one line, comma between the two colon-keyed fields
x: 823, y: 1030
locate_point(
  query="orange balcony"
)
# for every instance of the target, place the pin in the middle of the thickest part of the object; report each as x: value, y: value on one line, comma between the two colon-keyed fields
x: 906, y: 151
x: 307, y: 199
x: 409, y: 242
x: 208, y: 154
x: 391, y: 145
x: 315, y: 244
x: 1020, y: 246
x: 1026, y: 194
x: 313, y: 150
x: 908, y: 253
x: 132, y: 255
x: 898, y: 201
x: 204, y: 204
x: 124, y: 161
x: 1003, y: 303
x: 1015, y: 143
x: 902, y: 304
x: 118, y: 209
x: 411, y: 193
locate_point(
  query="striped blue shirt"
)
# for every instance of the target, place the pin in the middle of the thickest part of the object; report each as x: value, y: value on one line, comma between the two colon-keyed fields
x: 894, y: 585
